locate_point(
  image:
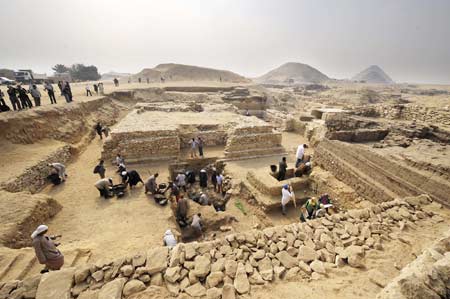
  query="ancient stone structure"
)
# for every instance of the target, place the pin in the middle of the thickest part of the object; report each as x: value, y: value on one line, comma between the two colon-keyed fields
x: 232, y: 265
x: 373, y: 176
x: 152, y: 135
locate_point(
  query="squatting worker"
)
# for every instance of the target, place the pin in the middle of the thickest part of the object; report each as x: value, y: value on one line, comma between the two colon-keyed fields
x: 286, y: 196
x: 60, y: 168
x: 282, y: 169
x: 300, y: 153
x: 45, y: 249
x: 100, y: 169
x: 169, y: 239
x: 150, y: 184
x: 103, y: 186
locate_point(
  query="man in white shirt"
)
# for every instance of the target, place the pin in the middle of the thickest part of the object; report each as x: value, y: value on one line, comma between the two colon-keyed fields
x: 286, y: 195
x: 300, y: 153
x: 197, y: 222
x: 219, y: 179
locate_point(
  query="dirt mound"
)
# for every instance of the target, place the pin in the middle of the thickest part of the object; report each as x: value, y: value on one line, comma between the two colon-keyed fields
x: 21, y: 213
x: 373, y: 74
x: 292, y: 73
x: 181, y: 72
x: 68, y: 123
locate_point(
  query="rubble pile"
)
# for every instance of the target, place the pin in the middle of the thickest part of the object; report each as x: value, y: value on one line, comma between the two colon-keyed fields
x: 225, y: 267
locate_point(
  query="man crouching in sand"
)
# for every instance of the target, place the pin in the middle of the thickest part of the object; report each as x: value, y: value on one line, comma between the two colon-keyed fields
x: 45, y: 249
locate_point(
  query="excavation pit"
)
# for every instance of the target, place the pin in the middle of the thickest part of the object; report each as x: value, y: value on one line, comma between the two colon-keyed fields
x: 155, y: 135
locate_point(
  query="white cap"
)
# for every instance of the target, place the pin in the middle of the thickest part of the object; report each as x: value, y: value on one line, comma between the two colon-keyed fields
x: 124, y: 173
x: 41, y: 228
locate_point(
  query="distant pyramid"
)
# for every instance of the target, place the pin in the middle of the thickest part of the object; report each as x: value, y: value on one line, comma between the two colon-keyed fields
x: 293, y: 72
x: 182, y: 72
x: 373, y: 74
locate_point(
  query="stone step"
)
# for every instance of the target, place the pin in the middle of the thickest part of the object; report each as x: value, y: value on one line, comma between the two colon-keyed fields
x: 6, y: 263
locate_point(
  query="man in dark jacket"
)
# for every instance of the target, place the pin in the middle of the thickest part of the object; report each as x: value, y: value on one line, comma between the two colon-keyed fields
x: 282, y: 169
x: 24, y: 99
x: 100, y: 169
x: 51, y: 93
x: 12, y: 93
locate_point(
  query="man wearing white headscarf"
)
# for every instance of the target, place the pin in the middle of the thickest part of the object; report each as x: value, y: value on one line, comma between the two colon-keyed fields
x: 45, y: 249
x: 169, y: 239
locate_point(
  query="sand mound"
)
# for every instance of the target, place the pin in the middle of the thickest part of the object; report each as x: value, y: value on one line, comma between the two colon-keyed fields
x: 293, y: 72
x: 373, y: 74
x: 21, y: 213
x: 181, y: 72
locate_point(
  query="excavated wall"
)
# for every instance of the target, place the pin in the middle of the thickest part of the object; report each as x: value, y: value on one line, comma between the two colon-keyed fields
x: 375, y: 177
x: 23, y: 214
x: 68, y: 123
x: 406, y: 112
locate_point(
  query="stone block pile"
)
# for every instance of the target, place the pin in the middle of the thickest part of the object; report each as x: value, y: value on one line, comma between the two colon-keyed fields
x: 226, y: 267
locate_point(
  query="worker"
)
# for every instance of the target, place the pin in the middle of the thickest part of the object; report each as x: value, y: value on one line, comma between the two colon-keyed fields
x: 61, y: 169
x: 299, y: 155
x: 100, y: 169
x: 119, y: 159
x: 311, y: 207
x: 98, y: 129
x: 104, y: 187
x: 286, y: 196
x: 203, y: 178
x: 200, y: 144
x: 194, y: 145
x: 282, y: 169
x: 45, y: 249
x: 151, y: 185
x: 131, y: 178
x: 181, y: 211
x: 169, y: 239
x: 181, y: 180
x: 219, y: 180
x: 197, y: 222
x: 203, y: 199
x: 214, y: 178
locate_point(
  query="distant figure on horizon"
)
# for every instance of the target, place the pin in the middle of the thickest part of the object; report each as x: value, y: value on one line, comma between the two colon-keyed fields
x: 162, y: 80
x: 67, y: 91
x: 51, y: 93
x: 13, y: 98
x: 88, y: 90
x: 36, y: 94
x: 139, y: 80
x: 116, y: 82
x: 101, y: 90
x: 24, y: 99
x: 148, y: 81
x: 96, y: 88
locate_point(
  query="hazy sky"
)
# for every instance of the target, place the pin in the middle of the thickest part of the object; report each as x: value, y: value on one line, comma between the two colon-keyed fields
x: 409, y: 39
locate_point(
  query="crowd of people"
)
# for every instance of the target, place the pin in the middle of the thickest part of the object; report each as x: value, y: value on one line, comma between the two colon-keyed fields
x: 179, y: 192
x: 19, y: 97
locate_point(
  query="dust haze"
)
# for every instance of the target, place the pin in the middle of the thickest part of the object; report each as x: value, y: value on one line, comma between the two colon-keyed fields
x: 409, y: 39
